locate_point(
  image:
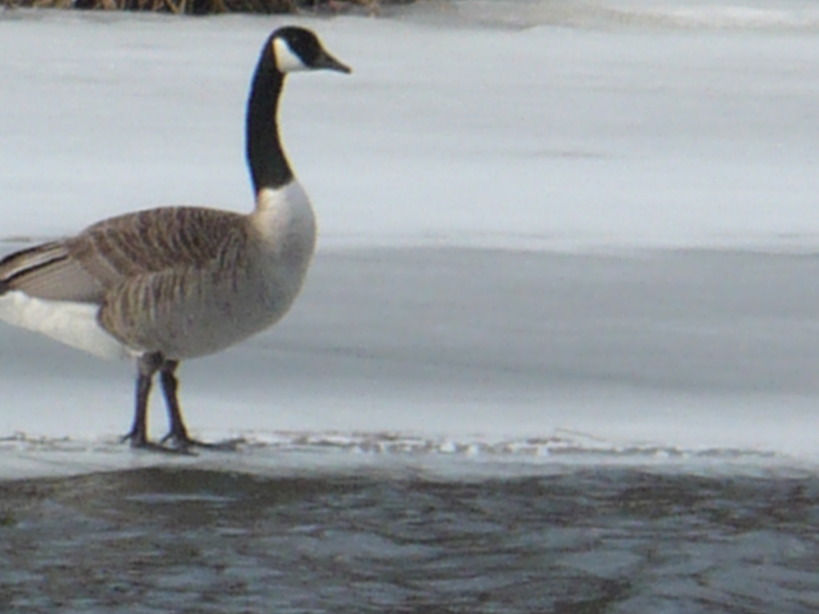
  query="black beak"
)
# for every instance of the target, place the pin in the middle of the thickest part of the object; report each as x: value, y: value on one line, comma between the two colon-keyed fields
x: 328, y: 62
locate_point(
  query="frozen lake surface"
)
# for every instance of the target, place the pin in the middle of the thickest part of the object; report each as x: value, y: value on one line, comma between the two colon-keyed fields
x: 557, y: 352
x: 480, y: 353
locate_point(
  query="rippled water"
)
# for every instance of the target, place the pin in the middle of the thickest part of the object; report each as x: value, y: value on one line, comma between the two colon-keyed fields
x: 568, y: 540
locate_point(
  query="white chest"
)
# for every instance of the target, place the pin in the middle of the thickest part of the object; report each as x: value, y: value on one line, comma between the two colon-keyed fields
x: 286, y: 229
x: 284, y: 218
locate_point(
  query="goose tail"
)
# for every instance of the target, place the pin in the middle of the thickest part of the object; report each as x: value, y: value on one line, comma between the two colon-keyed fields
x: 39, y: 292
x: 20, y: 269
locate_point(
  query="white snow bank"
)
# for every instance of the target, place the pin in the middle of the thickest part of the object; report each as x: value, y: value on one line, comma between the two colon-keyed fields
x: 544, y: 137
x: 449, y: 133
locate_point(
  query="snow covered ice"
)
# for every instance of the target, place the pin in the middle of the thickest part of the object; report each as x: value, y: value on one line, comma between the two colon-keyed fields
x: 567, y: 250
x: 601, y: 227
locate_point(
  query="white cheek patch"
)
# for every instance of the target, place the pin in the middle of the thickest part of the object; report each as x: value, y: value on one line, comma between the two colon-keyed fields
x: 286, y: 60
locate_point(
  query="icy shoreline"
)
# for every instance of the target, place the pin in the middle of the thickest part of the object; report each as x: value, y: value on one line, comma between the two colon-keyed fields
x: 483, y: 354
x: 524, y: 231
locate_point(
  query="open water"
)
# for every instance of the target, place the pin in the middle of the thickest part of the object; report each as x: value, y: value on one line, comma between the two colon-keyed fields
x: 568, y: 540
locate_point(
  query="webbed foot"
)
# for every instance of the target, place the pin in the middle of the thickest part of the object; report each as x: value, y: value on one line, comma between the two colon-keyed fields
x: 140, y: 442
x: 184, y: 442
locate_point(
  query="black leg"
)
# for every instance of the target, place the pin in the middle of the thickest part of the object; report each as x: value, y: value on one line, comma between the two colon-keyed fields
x: 147, y: 366
x: 170, y: 385
x: 178, y: 433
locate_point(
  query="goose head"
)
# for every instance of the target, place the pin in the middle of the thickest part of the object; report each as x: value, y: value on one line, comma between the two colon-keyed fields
x: 295, y: 49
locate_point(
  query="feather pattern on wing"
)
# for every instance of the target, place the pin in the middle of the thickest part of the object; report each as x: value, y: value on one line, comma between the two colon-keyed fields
x: 83, y: 268
x: 47, y: 271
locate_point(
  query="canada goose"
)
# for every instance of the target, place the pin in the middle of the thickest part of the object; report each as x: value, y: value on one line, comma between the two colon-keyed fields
x: 173, y: 283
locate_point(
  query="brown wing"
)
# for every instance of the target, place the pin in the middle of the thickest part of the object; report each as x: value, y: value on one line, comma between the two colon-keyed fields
x: 48, y: 271
x: 82, y: 268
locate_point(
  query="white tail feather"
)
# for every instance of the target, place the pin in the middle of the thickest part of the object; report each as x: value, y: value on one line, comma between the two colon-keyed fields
x: 74, y: 324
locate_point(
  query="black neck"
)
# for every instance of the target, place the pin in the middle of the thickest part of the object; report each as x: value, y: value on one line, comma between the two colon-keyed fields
x: 268, y: 163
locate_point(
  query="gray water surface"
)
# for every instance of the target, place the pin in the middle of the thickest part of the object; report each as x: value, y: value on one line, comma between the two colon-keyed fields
x: 584, y: 541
